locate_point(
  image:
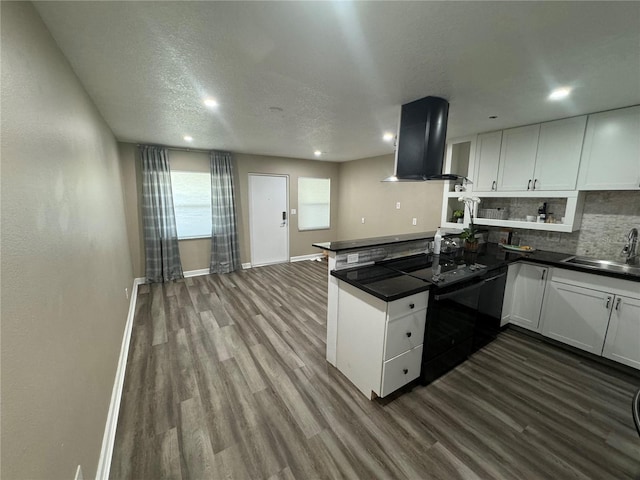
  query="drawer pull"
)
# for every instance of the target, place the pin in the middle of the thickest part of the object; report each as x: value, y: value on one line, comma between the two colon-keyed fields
x: 412, y: 306
x: 408, y: 334
x: 405, y: 370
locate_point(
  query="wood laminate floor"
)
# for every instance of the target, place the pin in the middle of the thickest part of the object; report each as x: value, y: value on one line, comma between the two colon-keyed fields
x: 227, y: 378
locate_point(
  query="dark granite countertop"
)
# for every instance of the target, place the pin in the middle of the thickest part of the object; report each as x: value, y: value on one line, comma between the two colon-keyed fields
x: 381, y: 282
x: 389, y: 284
x: 341, y: 245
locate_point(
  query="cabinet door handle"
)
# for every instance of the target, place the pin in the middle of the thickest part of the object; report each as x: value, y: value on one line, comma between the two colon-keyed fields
x: 608, y: 303
x: 411, y: 306
x: 529, y: 185
x: 409, y: 333
x: 493, y: 185
x: 618, y: 304
x: 405, y: 371
x: 544, y: 272
x: 534, y: 183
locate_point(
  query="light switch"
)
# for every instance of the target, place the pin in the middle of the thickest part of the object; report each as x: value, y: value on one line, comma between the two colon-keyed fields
x: 397, y: 205
x: 293, y: 211
x: 414, y: 221
x: 362, y: 219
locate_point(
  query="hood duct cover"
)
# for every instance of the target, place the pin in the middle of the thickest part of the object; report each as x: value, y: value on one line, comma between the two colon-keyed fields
x: 422, y: 140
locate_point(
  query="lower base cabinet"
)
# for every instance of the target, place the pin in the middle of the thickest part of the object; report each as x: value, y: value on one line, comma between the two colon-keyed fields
x: 623, y: 335
x: 379, y: 347
x: 577, y: 316
x: 524, y: 294
x: 600, y: 315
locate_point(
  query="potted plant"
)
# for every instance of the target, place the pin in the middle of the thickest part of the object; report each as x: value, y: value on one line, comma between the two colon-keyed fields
x: 458, y: 216
x: 469, y: 233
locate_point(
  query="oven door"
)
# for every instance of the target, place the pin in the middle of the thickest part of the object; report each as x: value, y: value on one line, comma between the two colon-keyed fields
x: 451, y: 321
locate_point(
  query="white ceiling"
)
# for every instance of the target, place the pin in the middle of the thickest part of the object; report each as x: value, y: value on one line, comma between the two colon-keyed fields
x: 341, y: 70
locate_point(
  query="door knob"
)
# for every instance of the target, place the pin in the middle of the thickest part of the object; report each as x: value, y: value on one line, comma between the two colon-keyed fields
x: 405, y: 371
x: 408, y: 334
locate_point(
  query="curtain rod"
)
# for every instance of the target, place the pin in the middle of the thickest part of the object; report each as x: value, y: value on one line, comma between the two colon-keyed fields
x: 179, y: 149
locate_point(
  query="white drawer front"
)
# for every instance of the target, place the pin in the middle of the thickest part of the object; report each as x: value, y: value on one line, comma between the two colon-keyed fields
x: 402, y: 307
x: 404, y: 333
x: 401, y: 370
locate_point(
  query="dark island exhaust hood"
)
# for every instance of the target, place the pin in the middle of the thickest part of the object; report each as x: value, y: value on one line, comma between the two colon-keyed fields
x: 422, y: 141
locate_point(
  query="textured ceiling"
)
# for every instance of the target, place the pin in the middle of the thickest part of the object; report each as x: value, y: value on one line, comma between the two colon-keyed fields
x: 341, y: 70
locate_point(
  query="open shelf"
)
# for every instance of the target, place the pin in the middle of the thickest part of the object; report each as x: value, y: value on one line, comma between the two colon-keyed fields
x: 515, y: 224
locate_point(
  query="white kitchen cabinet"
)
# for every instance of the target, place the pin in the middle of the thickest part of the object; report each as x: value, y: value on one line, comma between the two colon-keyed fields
x: 379, y: 344
x: 595, y: 313
x: 611, y: 154
x: 524, y: 294
x: 485, y: 175
x: 558, y: 158
x: 517, y: 158
x: 622, y: 342
x: 577, y: 316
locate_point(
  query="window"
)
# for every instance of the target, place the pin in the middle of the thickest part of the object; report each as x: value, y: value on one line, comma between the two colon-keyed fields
x: 192, y: 203
x: 314, y: 203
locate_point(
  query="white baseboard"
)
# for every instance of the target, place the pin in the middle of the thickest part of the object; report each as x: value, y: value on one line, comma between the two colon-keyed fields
x: 108, y: 439
x: 196, y: 273
x: 246, y: 266
x: 301, y: 258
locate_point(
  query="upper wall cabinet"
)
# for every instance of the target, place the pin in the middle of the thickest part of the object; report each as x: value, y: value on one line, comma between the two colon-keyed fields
x: 517, y: 158
x: 542, y: 157
x: 558, y: 158
x: 485, y: 176
x: 611, y: 153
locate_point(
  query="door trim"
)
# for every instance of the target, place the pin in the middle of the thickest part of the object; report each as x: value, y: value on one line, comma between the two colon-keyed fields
x: 251, y: 233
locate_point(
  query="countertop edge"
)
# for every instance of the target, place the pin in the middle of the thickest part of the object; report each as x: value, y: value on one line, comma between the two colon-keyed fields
x: 343, y: 245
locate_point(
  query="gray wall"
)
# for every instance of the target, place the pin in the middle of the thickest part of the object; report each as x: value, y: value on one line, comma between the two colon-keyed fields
x: 65, y: 259
x: 362, y: 194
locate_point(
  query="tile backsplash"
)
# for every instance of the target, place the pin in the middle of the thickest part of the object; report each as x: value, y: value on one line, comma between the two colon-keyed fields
x: 606, y: 220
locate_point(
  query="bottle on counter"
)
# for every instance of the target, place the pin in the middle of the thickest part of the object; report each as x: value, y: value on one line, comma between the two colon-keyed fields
x: 437, y: 242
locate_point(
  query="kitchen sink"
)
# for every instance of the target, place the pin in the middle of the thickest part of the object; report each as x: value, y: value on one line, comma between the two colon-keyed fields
x: 607, y: 265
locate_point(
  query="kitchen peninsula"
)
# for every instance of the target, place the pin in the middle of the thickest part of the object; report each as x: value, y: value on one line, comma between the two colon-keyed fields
x: 385, y: 292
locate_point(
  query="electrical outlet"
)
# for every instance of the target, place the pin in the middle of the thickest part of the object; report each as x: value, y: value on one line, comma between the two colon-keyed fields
x: 362, y: 220
x: 126, y: 292
x: 397, y: 205
x: 414, y: 221
x: 352, y: 258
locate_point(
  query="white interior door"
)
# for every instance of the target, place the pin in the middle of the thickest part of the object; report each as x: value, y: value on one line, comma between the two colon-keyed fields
x: 268, y: 218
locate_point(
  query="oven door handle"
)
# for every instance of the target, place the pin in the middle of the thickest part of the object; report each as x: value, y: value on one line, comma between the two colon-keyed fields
x: 491, y: 279
x: 470, y: 288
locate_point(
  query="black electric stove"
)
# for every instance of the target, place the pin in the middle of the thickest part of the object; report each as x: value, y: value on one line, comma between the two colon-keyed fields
x: 465, y: 306
x: 440, y: 270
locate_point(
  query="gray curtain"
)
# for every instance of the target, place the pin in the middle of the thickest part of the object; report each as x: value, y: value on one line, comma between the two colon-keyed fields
x: 162, y: 257
x: 225, y: 254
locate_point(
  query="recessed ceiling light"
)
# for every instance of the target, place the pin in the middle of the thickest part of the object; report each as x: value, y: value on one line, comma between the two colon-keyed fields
x: 188, y: 138
x: 317, y: 153
x: 560, y: 93
x: 211, y: 102
x: 388, y: 136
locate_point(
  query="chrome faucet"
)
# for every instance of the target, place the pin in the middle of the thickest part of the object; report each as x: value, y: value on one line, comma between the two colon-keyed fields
x: 629, y: 250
